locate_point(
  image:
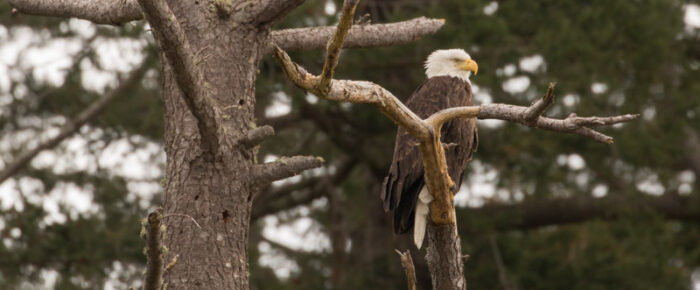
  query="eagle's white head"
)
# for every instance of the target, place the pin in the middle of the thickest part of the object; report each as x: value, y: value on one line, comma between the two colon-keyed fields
x: 450, y: 62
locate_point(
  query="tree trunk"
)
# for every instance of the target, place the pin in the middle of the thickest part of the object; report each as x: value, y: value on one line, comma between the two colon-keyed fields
x: 213, y: 189
x: 445, y: 272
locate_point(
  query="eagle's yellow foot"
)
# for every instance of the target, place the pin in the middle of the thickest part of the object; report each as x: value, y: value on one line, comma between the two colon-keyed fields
x: 453, y: 187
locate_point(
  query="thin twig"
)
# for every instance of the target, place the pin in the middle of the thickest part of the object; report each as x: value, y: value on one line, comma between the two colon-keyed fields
x: 183, y: 215
x: 538, y: 107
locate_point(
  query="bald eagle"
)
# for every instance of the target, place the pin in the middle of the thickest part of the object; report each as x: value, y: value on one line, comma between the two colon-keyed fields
x: 404, y: 191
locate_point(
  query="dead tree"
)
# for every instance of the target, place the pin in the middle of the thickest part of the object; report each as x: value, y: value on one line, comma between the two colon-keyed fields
x: 444, y: 254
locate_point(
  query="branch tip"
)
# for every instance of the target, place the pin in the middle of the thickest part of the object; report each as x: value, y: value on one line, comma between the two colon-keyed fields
x: 256, y: 136
x: 335, y: 44
x: 284, y: 167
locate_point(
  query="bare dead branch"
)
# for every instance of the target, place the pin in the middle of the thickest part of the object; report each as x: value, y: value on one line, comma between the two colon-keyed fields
x: 73, y: 126
x: 373, y: 35
x: 444, y: 250
x: 335, y: 44
x: 154, y: 252
x: 268, y: 11
x: 172, y: 41
x: 284, y: 167
x: 255, y: 136
x: 572, y: 124
x: 538, y: 107
x: 355, y: 92
x: 407, y: 263
x: 114, y: 12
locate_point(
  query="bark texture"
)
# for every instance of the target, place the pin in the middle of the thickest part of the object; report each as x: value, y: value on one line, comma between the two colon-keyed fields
x: 211, y: 187
x: 103, y: 12
x: 445, y: 250
x: 367, y: 35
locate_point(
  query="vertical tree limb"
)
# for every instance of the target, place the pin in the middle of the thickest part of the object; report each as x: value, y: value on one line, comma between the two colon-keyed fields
x: 407, y: 263
x: 173, y: 43
x: 335, y: 44
x: 154, y: 252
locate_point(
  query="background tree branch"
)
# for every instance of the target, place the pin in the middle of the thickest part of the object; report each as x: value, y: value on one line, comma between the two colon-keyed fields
x: 73, y: 126
x: 303, y: 192
x: 114, y: 12
x: 540, y: 213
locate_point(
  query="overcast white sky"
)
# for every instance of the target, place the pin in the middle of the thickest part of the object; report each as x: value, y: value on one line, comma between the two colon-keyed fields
x: 141, y: 162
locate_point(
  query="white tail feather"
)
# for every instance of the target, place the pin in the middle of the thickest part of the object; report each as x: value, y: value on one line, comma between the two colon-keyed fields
x: 421, y: 220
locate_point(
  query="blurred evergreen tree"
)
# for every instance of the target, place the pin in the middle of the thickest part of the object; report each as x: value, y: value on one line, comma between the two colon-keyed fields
x: 607, y: 57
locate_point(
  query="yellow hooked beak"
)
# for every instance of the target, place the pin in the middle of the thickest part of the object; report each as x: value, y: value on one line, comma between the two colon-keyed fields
x: 469, y: 65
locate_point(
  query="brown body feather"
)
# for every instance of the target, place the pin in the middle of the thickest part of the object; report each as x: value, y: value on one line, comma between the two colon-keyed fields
x: 405, y: 179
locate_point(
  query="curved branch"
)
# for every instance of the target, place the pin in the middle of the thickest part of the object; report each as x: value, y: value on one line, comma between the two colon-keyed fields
x: 114, y: 12
x: 369, y: 35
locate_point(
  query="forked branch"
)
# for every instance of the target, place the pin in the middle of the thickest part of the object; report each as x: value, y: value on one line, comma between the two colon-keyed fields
x: 445, y: 250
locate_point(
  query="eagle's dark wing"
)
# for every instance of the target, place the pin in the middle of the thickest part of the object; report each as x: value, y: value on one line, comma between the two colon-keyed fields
x: 405, y: 179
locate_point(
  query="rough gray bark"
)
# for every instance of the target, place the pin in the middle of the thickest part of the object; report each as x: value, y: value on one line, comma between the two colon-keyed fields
x: 359, y: 35
x: 154, y: 251
x: 103, y: 12
x: 444, y: 257
x: 209, y: 61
